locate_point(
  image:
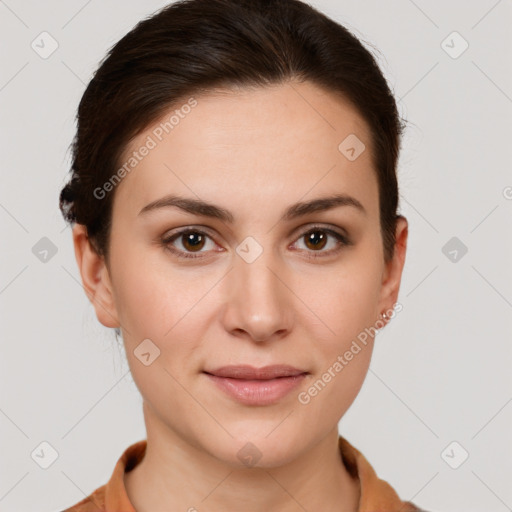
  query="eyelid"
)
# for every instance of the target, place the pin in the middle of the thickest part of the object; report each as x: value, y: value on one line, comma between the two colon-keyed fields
x: 306, y: 228
x: 183, y: 230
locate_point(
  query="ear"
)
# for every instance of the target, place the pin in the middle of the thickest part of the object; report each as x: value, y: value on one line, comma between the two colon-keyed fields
x: 392, y: 274
x: 95, y: 277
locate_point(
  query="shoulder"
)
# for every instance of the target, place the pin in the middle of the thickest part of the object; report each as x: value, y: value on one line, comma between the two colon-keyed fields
x: 95, y: 502
x: 112, y: 495
x: 376, y: 494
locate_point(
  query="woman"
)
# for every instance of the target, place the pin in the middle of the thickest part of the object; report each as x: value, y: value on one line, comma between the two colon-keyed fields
x: 234, y: 201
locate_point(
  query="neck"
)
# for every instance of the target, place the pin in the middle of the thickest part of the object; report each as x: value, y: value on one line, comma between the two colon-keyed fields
x: 174, y: 475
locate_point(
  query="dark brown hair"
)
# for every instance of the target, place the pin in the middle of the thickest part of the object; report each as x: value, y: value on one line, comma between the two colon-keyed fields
x: 191, y: 46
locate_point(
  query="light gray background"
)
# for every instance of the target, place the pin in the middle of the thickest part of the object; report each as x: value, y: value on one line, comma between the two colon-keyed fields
x: 441, y: 369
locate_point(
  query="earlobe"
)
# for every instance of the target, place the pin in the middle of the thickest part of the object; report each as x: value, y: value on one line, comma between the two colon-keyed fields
x: 95, y: 277
x: 392, y: 275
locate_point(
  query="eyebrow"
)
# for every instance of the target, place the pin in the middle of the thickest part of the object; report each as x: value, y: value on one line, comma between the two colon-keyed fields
x: 300, y: 209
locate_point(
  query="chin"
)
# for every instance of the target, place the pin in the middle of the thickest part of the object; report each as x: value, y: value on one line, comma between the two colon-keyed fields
x: 264, y: 449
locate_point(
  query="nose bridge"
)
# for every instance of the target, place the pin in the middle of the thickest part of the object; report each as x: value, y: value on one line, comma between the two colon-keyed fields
x: 259, y: 302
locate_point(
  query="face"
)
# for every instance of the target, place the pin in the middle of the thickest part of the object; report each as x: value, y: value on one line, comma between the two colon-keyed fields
x: 256, y: 280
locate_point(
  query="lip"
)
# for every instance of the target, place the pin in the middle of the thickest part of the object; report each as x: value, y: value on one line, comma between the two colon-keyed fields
x: 256, y: 386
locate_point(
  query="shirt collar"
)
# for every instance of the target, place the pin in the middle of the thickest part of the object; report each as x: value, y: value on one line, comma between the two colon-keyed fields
x: 376, y: 494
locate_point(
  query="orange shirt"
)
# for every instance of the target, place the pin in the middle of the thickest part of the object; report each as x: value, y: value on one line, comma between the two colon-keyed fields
x: 376, y: 494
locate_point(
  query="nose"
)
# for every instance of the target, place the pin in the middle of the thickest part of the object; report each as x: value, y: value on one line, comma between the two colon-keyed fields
x: 259, y: 305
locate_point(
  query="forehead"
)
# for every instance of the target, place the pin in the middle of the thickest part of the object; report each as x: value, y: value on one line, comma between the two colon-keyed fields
x: 250, y: 143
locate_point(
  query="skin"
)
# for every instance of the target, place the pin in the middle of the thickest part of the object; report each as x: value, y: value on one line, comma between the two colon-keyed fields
x: 253, y: 152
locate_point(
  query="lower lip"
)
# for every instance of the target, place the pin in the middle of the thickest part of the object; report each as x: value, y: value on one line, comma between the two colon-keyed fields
x: 257, y: 392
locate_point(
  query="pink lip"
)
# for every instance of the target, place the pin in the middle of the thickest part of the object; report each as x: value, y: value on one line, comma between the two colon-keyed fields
x: 257, y: 386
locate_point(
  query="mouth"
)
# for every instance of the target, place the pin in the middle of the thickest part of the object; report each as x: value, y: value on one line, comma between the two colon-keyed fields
x: 256, y: 386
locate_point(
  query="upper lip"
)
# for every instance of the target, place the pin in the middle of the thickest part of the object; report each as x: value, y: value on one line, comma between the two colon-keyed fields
x: 250, y: 372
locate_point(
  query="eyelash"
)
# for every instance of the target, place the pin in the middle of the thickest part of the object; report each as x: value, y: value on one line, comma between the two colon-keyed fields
x: 342, y: 240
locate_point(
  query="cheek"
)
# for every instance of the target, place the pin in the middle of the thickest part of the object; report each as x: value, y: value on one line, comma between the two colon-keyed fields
x: 331, y: 393
x: 163, y: 303
x: 343, y: 357
x: 152, y: 296
x: 164, y: 311
x: 344, y: 302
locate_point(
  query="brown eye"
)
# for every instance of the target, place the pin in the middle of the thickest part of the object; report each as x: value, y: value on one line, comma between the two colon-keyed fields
x: 192, y: 241
x: 188, y: 243
x: 316, y: 240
